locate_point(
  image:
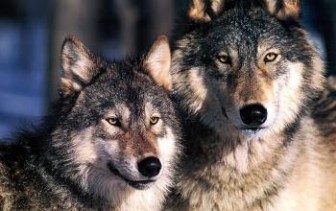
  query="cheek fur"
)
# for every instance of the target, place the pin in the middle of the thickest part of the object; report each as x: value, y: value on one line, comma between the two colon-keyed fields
x: 198, y: 87
x: 168, y: 147
x: 289, y: 98
x: 88, y: 149
x: 83, y: 146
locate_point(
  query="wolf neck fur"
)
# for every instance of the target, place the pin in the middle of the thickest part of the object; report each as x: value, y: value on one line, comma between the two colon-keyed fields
x: 234, y: 162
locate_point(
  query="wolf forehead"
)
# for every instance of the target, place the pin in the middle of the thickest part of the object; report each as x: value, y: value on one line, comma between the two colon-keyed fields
x: 244, y: 31
x: 124, y: 83
x: 255, y: 24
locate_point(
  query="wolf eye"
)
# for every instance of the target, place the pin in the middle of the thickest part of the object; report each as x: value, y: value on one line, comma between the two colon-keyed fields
x: 270, y: 57
x: 113, y: 121
x: 223, y: 58
x: 154, y: 120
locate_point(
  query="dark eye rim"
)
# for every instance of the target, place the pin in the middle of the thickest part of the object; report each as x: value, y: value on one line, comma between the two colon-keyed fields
x: 116, y: 121
x: 276, y: 55
x: 156, y: 120
x: 220, y: 59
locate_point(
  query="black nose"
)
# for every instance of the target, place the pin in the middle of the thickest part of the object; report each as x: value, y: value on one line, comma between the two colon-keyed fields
x: 253, y: 115
x: 149, y: 167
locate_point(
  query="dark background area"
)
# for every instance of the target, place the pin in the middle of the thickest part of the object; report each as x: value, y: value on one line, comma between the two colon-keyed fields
x: 32, y: 32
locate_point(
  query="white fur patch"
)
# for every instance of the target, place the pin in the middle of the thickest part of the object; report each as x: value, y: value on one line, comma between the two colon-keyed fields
x: 200, y: 92
x: 289, y: 98
x: 84, y: 151
x: 168, y: 146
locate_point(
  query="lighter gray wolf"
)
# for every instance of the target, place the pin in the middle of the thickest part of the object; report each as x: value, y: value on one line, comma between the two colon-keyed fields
x: 247, y: 79
x: 110, y: 142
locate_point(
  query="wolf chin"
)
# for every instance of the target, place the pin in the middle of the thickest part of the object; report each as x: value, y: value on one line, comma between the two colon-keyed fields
x: 109, y: 143
x: 246, y: 78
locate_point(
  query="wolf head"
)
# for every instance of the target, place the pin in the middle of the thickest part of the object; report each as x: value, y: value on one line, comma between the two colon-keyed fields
x: 246, y: 64
x: 116, y: 127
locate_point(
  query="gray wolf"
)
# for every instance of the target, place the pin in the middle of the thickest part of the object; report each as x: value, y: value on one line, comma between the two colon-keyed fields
x: 247, y: 78
x: 109, y: 143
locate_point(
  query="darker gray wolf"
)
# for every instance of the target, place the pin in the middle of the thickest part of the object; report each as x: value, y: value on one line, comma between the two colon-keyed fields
x: 109, y: 143
x: 247, y: 79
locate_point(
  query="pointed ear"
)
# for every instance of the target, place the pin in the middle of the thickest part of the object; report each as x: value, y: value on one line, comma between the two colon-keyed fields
x: 77, y: 66
x: 284, y: 9
x: 157, y: 62
x: 204, y: 10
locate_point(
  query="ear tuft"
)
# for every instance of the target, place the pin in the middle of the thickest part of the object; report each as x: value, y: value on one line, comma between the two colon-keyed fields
x: 204, y: 10
x: 284, y: 9
x: 197, y: 11
x: 157, y: 62
x: 77, y: 65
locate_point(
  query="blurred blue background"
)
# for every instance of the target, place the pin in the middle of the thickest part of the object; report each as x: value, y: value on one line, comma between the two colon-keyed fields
x: 32, y: 32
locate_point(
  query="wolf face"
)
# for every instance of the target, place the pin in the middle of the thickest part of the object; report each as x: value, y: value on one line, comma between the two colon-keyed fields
x: 120, y: 127
x: 250, y: 66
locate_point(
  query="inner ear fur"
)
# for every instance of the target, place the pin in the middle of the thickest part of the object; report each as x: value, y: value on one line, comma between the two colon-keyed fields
x: 77, y: 66
x: 157, y: 62
x: 206, y: 10
x: 284, y: 9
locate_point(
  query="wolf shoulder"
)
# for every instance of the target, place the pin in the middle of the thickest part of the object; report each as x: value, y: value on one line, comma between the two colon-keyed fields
x: 21, y: 185
x: 324, y: 112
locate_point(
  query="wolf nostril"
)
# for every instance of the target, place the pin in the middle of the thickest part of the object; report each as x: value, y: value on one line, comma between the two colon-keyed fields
x: 253, y: 115
x: 149, y: 167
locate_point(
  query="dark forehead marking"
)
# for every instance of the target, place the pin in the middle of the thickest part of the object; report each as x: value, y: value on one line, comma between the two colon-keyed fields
x: 126, y: 82
x: 244, y: 31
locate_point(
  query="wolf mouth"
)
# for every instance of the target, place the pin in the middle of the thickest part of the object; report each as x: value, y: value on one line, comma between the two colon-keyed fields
x: 140, y: 185
x: 252, y: 129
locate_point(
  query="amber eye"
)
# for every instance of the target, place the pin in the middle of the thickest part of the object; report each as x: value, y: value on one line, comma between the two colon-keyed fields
x: 154, y: 120
x: 113, y: 121
x: 223, y: 58
x: 270, y: 57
